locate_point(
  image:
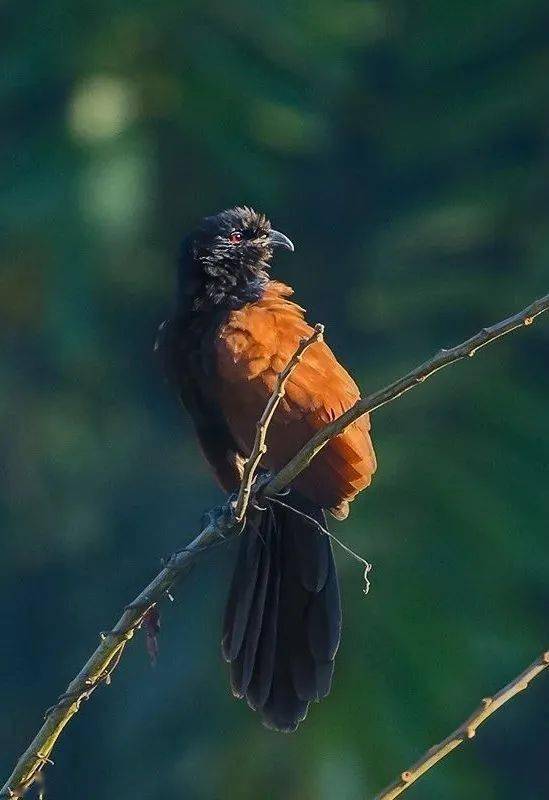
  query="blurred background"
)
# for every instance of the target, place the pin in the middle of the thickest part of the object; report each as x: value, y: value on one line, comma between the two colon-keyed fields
x: 404, y: 147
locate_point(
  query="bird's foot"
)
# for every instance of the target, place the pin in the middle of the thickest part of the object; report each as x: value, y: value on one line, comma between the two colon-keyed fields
x: 262, y: 480
x: 222, y: 518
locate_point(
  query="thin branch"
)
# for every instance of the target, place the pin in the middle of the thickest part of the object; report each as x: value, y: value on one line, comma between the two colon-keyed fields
x: 465, y: 731
x: 221, y: 526
x: 443, y: 358
x: 315, y: 523
x: 262, y: 425
x: 104, y: 660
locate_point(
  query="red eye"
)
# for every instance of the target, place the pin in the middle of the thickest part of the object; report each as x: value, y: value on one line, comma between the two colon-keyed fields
x: 235, y: 237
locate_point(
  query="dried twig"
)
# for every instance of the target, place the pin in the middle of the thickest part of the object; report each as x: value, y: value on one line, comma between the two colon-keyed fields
x: 221, y: 527
x: 374, y: 401
x: 316, y: 524
x: 103, y: 661
x: 262, y: 425
x: 465, y: 731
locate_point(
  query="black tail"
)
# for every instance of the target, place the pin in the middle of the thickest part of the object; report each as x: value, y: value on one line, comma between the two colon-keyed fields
x: 283, y: 617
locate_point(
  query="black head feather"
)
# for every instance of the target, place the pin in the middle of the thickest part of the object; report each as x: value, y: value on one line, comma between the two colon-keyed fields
x: 225, y: 260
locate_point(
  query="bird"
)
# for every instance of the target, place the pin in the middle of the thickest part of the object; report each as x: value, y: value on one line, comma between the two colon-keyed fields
x: 232, y: 330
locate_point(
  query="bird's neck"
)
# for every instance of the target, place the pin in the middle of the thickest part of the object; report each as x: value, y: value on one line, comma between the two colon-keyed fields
x: 216, y: 286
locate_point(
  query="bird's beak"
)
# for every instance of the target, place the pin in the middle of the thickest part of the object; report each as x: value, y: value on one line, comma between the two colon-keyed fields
x: 277, y: 239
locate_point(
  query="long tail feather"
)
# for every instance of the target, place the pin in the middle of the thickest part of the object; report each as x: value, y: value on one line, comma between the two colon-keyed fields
x: 283, y: 618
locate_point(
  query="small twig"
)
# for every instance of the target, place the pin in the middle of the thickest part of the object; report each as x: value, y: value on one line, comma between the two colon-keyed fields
x: 465, y: 731
x: 443, y: 358
x: 262, y: 425
x: 366, y: 564
x: 217, y: 532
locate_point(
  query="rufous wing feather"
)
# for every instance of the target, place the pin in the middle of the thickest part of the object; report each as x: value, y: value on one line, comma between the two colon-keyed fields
x: 253, y: 346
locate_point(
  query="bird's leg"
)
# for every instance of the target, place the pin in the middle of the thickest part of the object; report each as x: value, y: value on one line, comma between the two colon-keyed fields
x: 261, y: 481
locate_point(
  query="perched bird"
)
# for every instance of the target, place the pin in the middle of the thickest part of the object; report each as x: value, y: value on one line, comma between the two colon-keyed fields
x: 233, y: 329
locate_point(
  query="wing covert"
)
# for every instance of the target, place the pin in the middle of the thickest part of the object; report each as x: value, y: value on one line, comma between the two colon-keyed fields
x: 253, y: 346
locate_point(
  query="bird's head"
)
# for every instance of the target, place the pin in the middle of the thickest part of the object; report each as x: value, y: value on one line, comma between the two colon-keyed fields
x: 240, y: 238
x: 229, y: 254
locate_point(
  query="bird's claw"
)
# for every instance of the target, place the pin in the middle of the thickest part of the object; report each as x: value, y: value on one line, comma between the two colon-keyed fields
x: 261, y: 481
x: 222, y: 518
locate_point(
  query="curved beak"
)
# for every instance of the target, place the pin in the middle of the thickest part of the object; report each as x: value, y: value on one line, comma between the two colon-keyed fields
x: 277, y: 239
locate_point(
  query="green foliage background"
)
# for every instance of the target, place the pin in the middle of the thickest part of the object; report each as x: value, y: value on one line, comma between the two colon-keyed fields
x: 404, y: 148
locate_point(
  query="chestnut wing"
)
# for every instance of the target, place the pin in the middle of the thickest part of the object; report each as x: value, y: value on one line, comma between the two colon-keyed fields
x: 253, y: 346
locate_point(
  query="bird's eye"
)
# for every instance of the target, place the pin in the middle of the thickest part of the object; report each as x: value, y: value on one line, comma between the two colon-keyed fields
x: 236, y: 237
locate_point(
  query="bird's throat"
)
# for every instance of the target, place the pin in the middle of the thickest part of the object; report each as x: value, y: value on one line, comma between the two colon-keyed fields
x: 220, y: 286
